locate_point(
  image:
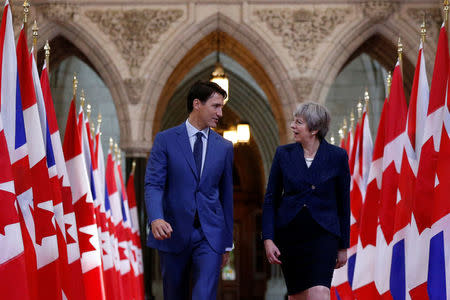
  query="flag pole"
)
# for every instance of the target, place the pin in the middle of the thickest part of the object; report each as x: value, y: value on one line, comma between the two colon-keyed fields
x: 47, y: 56
x: 352, y: 119
x: 35, y: 30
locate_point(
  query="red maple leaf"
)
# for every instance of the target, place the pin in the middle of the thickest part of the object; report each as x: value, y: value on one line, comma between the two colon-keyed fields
x: 69, y: 237
x: 85, y: 244
x: 43, y: 223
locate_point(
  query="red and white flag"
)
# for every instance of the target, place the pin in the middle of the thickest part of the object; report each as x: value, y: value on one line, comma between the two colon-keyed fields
x: 84, y: 210
x: 392, y: 158
x: 33, y: 185
x: 364, y: 277
x: 136, y: 255
x: 414, y: 266
x: 13, y: 274
x: 426, y: 175
x: 69, y: 251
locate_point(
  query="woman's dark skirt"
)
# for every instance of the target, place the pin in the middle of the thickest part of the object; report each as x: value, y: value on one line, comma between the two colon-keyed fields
x: 308, y: 253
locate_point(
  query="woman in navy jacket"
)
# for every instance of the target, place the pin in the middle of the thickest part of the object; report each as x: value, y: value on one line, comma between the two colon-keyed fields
x: 306, y: 213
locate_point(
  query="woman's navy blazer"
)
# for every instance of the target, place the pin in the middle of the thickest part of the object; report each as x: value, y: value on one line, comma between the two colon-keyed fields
x: 323, y: 188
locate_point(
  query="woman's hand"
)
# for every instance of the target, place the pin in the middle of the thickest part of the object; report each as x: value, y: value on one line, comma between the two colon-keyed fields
x: 272, y: 252
x: 341, y: 259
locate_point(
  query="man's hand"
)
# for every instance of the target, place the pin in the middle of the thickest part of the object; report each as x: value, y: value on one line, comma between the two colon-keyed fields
x: 341, y: 258
x: 225, y: 259
x: 161, y: 229
x: 272, y: 252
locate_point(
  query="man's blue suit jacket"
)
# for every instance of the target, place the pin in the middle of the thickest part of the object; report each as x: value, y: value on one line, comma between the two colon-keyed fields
x: 174, y: 192
x: 323, y: 188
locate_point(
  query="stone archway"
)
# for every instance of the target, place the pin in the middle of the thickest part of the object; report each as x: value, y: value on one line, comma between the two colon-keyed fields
x: 88, y: 49
x: 195, y: 43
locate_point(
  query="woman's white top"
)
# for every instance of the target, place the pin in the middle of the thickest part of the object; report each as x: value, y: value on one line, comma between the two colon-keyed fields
x: 309, y: 161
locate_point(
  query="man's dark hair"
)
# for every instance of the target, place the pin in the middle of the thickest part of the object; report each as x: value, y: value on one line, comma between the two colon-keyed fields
x: 203, y: 90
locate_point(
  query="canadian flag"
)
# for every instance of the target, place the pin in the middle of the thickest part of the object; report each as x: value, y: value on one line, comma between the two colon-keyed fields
x: 84, y: 210
x: 114, y: 213
x: 13, y: 275
x: 105, y: 228
x: 69, y: 250
x: 33, y: 185
x: 137, y: 262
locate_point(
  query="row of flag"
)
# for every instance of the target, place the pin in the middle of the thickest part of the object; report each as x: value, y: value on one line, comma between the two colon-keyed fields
x: 400, y: 192
x: 68, y: 224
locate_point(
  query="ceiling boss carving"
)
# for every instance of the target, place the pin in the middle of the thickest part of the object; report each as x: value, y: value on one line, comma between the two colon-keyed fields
x: 134, y: 32
x: 134, y: 88
x: 302, y: 30
x: 304, y: 87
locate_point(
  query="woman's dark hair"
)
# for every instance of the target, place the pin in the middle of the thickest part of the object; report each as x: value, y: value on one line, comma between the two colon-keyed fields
x: 203, y: 90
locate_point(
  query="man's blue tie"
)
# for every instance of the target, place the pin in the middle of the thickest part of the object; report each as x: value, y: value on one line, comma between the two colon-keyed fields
x: 198, y: 151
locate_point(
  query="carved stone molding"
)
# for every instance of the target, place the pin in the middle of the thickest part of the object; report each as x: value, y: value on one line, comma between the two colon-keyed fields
x: 378, y: 10
x: 433, y: 19
x: 302, y: 30
x: 59, y: 12
x: 303, y: 87
x: 134, y: 31
x: 134, y: 88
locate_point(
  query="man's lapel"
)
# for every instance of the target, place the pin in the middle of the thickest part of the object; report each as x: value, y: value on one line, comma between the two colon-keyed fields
x: 185, y: 146
x: 210, y: 152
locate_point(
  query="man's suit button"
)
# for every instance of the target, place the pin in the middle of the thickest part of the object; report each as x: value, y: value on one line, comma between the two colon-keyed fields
x: 304, y: 205
x: 313, y: 187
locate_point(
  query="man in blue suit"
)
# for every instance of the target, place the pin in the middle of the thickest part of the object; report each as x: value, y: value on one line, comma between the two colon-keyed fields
x: 189, y: 198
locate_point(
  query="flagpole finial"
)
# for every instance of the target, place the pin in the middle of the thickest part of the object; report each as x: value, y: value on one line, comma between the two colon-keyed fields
x: 111, y: 144
x: 352, y: 119
x: 359, y: 109
x: 82, y: 98
x: 133, y: 166
x: 93, y: 130
x: 75, y: 85
x: 400, y: 50
x: 88, y: 111
x: 446, y: 5
x: 344, y: 126
x: 116, y: 150
x: 366, y: 100
x: 389, y: 82
x: 341, y: 133
x: 35, y: 30
x: 332, y: 141
x: 119, y: 156
x: 26, y: 11
x: 423, y: 30
x: 47, y: 56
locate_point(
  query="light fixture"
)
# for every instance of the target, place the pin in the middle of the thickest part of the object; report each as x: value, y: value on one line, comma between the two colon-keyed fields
x: 218, y: 75
x: 231, y: 135
x: 243, y: 133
